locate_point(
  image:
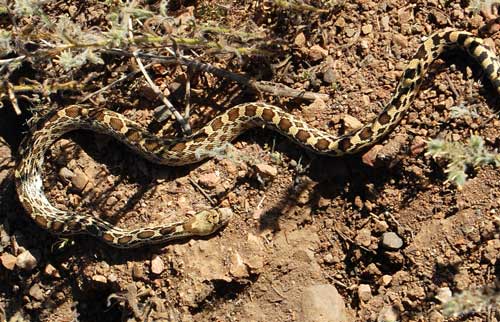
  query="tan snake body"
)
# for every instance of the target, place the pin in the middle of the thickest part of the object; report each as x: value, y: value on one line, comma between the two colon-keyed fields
x: 200, y: 146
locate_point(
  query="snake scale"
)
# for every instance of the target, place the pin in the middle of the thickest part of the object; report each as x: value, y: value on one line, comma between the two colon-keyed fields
x: 201, y: 145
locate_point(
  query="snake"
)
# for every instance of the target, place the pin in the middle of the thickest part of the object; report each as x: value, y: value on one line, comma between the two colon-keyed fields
x: 207, y: 140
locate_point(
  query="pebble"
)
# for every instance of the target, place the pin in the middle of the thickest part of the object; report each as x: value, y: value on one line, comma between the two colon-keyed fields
x: 367, y: 29
x: 340, y: 22
x: 157, y: 265
x: 323, y: 202
x: 385, y: 23
x: 36, y: 292
x: 391, y: 240
x: 8, y: 261
x: 444, y: 295
x: 66, y: 174
x: 300, y: 40
x: 237, y: 267
x: 370, y: 157
x: 209, y: 180
x: 100, y: 279
x: 491, y: 251
x: 364, y: 292
x: 351, y: 123
x: 329, y: 259
x: 79, y: 180
x: 316, y: 53
x: 388, y: 314
x: 137, y: 271
x: 51, y: 271
x: 266, y: 170
x: 26, y: 261
x: 112, y: 278
x: 358, y: 202
x: 385, y: 280
x: 380, y: 226
x: 321, y: 303
x: 329, y: 76
x: 435, y: 316
x: 364, y: 237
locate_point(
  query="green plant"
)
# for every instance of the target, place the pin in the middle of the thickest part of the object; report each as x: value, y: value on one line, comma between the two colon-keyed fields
x: 461, y: 156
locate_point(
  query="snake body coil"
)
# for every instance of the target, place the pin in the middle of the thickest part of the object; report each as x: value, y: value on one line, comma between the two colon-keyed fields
x: 221, y: 129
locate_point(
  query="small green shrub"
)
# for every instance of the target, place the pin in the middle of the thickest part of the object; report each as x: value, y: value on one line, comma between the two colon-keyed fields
x: 461, y: 156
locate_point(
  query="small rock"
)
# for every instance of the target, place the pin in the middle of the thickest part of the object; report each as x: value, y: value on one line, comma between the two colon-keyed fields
x: 351, y: 123
x: 79, y: 180
x: 364, y: 292
x: 36, y: 292
x: 311, y: 112
x: 8, y: 261
x: 385, y: 23
x: 51, y: 271
x: 435, y: 316
x: 388, y: 314
x: 323, y: 202
x: 329, y: 259
x: 391, y: 241
x: 137, y: 271
x: 323, y: 303
x: 444, y: 295
x: 370, y: 157
x: 364, y: 237
x: 372, y: 270
x: 350, y: 32
x: 111, y: 201
x: 491, y: 251
x: 316, y: 53
x: 340, y: 22
x: 66, y: 174
x: 26, y: 261
x: 366, y: 29
x: 100, y: 279
x: 329, y: 76
x: 209, y: 180
x: 112, y: 277
x: 266, y: 170
x: 157, y: 265
x: 380, y: 226
x: 237, y: 267
x: 300, y: 40
x: 418, y: 146
x: 385, y: 280
x: 358, y: 202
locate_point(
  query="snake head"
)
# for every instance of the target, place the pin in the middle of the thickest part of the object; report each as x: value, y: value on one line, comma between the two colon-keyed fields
x: 207, y: 222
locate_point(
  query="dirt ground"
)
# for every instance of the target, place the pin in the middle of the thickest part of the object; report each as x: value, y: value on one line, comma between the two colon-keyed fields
x: 383, y: 228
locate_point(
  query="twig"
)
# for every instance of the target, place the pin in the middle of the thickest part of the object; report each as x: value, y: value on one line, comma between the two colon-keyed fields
x: 187, y: 94
x: 259, y: 86
x: 12, y: 97
x: 121, y: 79
x: 184, y: 125
x: 12, y: 60
x: 452, y: 87
x: 203, y: 192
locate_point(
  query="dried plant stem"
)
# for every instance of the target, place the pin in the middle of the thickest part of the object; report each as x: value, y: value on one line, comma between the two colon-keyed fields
x: 259, y: 86
x: 186, y: 129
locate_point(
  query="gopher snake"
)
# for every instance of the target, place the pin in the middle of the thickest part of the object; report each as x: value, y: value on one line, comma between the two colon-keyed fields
x: 221, y: 129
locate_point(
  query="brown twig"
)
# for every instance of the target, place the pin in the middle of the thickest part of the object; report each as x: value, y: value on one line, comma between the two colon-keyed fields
x: 259, y: 86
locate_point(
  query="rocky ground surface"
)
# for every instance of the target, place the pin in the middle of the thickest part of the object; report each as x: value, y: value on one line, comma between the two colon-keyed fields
x: 380, y: 236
